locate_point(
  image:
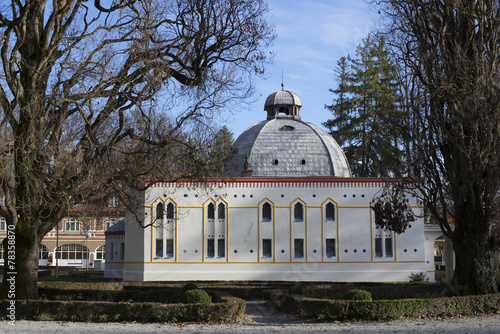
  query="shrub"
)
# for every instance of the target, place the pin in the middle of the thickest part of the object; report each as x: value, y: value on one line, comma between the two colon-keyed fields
x: 387, y: 309
x: 418, y: 278
x: 358, y: 295
x: 229, y: 310
x: 189, y: 286
x: 296, y: 290
x: 195, y: 296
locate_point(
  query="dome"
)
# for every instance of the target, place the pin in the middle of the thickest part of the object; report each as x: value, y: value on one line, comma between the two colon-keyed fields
x: 283, y: 104
x: 283, y: 97
x: 287, y: 148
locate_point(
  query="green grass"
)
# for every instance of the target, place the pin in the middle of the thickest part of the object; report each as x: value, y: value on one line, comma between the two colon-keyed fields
x: 74, y: 276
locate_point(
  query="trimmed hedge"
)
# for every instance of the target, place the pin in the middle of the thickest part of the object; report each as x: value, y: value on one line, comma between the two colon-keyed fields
x: 165, y: 295
x: 357, y: 294
x: 386, y: 309
x: 195, y: 296
x: 189, y: 286
x: 230, y: 310
x: 378, y: 290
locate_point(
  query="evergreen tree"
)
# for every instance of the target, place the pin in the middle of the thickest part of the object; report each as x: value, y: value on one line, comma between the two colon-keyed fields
x: 221, y: 151
x: 340, y: 126
x: 366, y: 111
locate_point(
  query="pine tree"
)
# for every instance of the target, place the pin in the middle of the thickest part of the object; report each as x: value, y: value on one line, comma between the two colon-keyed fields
x: 221, y: 151
x: 339, y: 127
x: 366, y: 110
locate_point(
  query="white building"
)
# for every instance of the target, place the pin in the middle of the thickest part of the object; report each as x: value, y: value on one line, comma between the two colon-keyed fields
x: 289, y: 210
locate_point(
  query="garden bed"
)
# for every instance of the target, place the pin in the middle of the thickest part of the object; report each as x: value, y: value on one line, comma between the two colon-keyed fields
x: 103, y: 302
x: 230, y: 309
x: 323, y: 309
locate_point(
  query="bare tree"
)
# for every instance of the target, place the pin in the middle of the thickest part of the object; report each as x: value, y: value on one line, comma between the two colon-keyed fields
x: 94, y: 96
x: 452, y: 51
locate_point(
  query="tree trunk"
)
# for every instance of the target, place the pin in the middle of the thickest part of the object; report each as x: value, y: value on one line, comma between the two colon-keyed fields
x: 474, y: 255
x: 21, y: 273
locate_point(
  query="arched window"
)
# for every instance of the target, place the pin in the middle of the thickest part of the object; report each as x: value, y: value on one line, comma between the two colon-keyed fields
x: 170, y: 211
x: 298, y: 212
x: 164, y: 231
x: 383, y: 242
x: 159, y: 211
x: 159, y: 227
x: 266, y: 212
x: 100, y: 253
x: 221, y: 211
x: 211, y: 211
x: 215, y: 230
x: 330, y: 211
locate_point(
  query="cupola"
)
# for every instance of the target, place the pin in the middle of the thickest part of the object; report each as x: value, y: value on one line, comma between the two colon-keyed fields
x: 283, y: 104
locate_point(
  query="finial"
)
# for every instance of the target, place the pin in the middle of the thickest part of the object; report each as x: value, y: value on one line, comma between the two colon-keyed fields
x: 282, y: 80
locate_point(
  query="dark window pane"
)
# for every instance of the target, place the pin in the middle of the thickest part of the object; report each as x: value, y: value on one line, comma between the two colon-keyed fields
x: 330, y: 211
x: 330, y: 248
x: 298, y: 212
x: 159, y: 247
x: 266, y: 212
x: 299, y: 247
x: 221, y: 211
x: 267, y: 250
x: 221, y: 248
x: 210, y: 248
x: 170, y: 211
x: 159, y: 211
x: 378, y: 247
x: 211, y: 211
x: 388, y: 247
x: 170, y: 248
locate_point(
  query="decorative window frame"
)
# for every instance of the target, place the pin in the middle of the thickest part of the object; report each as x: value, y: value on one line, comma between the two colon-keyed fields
x: 330, y: 229
x: 267, y: 230
x: 293, y: 211
x: 298, y: 229
x: 261, y: 211
x: 383, y: 241
x: 162, y: 222
x: 215, y: 237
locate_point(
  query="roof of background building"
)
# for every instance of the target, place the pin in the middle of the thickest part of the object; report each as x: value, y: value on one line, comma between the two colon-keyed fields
x: 118, y: 227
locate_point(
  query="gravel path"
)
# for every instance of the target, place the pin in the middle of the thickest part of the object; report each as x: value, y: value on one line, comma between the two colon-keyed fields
x: 261, y: 318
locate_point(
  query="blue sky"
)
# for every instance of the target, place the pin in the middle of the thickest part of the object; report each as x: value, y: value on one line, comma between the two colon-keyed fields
x: 311, y: 36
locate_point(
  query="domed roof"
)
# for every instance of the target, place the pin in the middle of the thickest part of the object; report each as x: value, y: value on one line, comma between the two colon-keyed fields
x: 288, y: 148
x: 283, y: 97
x: 285, y: 146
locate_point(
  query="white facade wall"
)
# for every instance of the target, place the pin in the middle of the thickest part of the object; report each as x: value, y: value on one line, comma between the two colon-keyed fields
x: 244, y: 232
x: 115, y: 255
